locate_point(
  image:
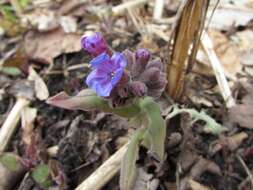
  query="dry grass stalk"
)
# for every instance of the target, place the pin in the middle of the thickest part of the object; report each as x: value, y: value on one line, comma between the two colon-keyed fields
x: 245, y: 168
x: 10, y: 123
x: 158, y: 9
x: 117, y: 10
x: 218, y: 71
x: 184, y: 43
x: 105, y: 172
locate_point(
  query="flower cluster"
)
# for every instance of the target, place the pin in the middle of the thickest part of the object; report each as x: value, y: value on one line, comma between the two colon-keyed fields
x: 121, y: 76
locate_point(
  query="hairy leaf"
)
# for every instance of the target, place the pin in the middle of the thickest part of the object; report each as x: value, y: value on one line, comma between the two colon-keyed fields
x: 210, y: 126
x: 87, y: 100
x: 128, y: 168
x: 156, y: 126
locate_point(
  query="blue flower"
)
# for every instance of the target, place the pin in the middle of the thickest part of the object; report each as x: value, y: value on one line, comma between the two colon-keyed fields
x: 106, y: 73
x: 94, y: 44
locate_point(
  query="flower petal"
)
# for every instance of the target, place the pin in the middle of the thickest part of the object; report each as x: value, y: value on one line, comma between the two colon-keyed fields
x: 101, y: 59
x: 119, y: 60
x: 95, y: 76
x: 117, y: 76
x: 94, y: 44
x: 100, y: 82
x: 104, y: 88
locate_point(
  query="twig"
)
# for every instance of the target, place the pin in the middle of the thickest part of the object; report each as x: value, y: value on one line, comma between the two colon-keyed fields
x: 158, y: 9
x: 218, y: 70
x: 123, y: 7
x: 78, y: 66
x: 105, y: 172
x: 10, y: 123
x: 245, y: 168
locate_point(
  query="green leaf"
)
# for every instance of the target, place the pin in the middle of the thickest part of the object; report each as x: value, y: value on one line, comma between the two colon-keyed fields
x: 13, y: 71
x: 128, y: 171
x: 41, y: 175
x: 156, y: 133
x: 8, y: 13
x: 24, y: 3
x: 10, y: 161
x: 211, y: 125
x: 87, y: 100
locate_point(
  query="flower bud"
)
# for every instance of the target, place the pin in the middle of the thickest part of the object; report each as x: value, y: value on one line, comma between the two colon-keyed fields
x: 150, y: 75
x: 142, y: 56
x: 94, y: 44
x: 124, y: 78
x: 155, y: 63
x: 138, y: 88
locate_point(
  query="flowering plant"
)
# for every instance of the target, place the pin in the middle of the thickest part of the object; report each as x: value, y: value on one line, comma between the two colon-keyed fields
x: 125, y: 84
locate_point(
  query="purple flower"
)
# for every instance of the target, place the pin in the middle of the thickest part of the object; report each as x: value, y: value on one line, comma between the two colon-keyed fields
x: 94, y: 44
x: 106, y: 73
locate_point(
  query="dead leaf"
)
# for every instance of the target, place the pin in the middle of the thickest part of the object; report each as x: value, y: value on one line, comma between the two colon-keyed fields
x: 203, y: 165
x: 148, y: 43
x: 232, y: 142
x: 47, y: 20
x: 232, y: 12
x: 11, y: 28
x: 41, y: 90
x: 68, y: 24
x: 70, y: 6
x: 46, y: 46
x: 194, y: 185
x: 41, y: 19
x: 145, y: 181
x: 245, y: 39
x: 227, y: 53
x: 22, y: 88
x: 243, y: 113
x: 247, y: 59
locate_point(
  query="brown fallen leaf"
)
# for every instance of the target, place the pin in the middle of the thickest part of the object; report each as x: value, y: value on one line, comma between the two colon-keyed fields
x: 45, y: 46
x: 243, y: 113
x: 41, y: 19
x: 204, y: 165
x: 40, y: 87
x: 67, y: 7
x: 145, y: 181
x: 230, y: 16
x: 194, y: 185
x: 231, y: 143
x: 245, y: 39
x: 227, y: 52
